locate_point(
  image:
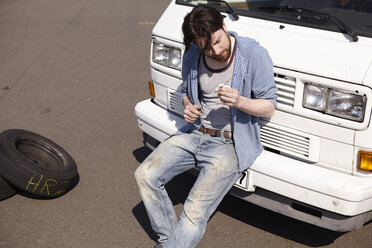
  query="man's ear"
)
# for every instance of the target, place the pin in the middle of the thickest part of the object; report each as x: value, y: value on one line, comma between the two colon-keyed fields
x: 224, y: 26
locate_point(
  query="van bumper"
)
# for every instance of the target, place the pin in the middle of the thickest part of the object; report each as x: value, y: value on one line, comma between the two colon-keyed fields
x: 301, y: 190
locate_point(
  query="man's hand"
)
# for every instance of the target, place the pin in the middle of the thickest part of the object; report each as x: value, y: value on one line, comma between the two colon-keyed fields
x: 229, y: 96
x: 192, y: 111
x: 256, y: 107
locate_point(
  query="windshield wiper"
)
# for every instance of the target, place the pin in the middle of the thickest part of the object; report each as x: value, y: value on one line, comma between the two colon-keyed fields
x: 229, y: 9
x: 347, y: 29
x: 314, y: 17
x: 305, y: 14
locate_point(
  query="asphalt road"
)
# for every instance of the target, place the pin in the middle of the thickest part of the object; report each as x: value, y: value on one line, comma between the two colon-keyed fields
x: 73, y: 71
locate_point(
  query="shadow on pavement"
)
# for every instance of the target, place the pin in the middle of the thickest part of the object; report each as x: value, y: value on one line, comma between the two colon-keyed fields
x: 141, y: 153
x: 139, y: 212
x: 241, y: 210
x: 277, y: 224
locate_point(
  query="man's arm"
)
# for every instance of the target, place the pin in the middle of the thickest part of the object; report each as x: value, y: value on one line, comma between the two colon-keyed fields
x: 263, y: 88
x: 256, y: 107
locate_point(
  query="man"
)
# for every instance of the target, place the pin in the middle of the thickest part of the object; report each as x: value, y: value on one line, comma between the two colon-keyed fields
x: 227, y: 83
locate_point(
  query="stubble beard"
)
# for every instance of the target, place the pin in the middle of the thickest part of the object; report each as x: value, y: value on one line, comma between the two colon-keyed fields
x: 226, y: 53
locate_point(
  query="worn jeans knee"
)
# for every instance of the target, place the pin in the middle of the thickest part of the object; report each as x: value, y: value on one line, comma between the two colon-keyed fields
x: 145, y: 177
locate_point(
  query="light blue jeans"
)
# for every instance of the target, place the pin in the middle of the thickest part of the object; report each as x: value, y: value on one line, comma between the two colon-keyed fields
x: 218, y: 164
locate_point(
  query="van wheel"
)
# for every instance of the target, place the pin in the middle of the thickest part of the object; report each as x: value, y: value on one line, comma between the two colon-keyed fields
x: 6, y: 190
x: 36, y: 164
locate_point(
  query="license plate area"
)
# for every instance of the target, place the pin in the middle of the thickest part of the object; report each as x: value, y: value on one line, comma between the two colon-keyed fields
x: 245, y: 182
x: 242, y: 182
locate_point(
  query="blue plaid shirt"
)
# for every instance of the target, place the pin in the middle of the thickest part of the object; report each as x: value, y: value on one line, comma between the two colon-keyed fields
x: 254, y: 78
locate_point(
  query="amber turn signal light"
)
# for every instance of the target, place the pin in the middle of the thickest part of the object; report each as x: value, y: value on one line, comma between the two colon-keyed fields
x: 365, y: 161
x: 152, y: 88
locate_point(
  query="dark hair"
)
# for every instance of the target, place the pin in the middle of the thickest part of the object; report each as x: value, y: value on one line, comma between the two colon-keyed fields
x: 200, y: 23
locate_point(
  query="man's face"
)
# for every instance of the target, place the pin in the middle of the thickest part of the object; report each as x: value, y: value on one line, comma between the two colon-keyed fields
x: 220, y: 48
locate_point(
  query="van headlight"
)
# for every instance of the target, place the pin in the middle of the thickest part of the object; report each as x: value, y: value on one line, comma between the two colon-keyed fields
x: 165, y: 55
x: 314, y: 97
x: 334, y: 102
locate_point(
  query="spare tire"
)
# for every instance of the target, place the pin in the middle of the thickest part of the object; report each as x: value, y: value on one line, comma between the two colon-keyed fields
x: 6, y: 190
x: 36, y: 164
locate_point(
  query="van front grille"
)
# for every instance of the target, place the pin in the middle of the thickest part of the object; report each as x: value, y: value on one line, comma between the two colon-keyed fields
x: 286, y: 89
x: 174, y: 102
x: 288, y: 141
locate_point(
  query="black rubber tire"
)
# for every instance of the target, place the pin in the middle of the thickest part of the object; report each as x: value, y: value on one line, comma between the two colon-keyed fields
x: 36, y: 164
x: 6, y: 190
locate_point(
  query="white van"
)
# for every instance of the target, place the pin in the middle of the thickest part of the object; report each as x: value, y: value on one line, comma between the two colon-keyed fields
x: 317, y: 161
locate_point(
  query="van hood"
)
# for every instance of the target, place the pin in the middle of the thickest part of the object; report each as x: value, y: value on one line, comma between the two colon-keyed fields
x: 307, y: 50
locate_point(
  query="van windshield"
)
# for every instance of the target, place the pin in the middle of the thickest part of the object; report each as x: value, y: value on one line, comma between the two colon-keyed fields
x: 334, y: 15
